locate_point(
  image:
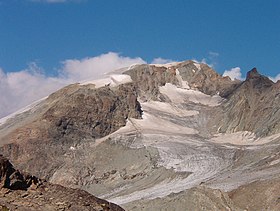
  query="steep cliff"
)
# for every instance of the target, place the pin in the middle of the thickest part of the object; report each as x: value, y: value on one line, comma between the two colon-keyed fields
x: 77, y: 114
x: 205, y: 79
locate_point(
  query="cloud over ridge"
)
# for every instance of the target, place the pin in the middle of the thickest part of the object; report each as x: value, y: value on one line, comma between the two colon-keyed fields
x: 234, y: 73
x: 18, y: 89
x: 275, y: 79
x: 160, y: 60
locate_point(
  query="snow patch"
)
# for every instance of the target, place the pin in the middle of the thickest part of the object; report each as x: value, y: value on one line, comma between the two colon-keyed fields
x: 179, y: 95
x: 167, y: 108
x: 155, y: 125
x: 112, y: 80
x: 133, y: 66
x: 72, y: 148
x: 274, y: 162
x: 183, y: 84
x: 197, y: 66
x: 167, y: 65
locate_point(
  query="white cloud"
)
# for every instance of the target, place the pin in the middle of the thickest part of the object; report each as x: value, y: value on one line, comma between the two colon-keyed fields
x: 211, y: 59
x: 203, y: 61
x: 275, y: 79
x: 160, y: 60
x: 95, y: 67
x: 234, y: 73
x: 18, y: 89
x: 213, y: 54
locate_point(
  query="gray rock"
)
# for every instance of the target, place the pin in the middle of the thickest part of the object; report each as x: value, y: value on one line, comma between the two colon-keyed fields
x: 253, y: 106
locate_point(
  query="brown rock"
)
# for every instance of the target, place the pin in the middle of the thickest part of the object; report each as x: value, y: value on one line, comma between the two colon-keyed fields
x: 54, y: 196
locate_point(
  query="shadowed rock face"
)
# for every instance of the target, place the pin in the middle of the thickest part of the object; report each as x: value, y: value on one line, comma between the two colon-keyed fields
x: 206, y: 80
x: 74, y: 115
x: 25, y: 192
x: 89, y: 113
x: 253, y: 106
x: 149, y: 78
x: 12, y: 179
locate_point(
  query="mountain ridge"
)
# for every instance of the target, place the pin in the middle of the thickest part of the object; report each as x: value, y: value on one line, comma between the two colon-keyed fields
x: 252, y: 107
x: 152, y: 130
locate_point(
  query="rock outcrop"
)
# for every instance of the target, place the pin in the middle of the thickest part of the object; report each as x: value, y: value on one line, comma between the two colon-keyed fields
x: 12, y: 179
x: 205, y: 79
x: 77, y: 114
x: 92, y: 113
x: 148, y: 79
x: 24, y: 192
x: 253, y: 106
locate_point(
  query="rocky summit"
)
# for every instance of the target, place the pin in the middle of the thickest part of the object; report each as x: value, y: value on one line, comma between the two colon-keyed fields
x: 177, y: 136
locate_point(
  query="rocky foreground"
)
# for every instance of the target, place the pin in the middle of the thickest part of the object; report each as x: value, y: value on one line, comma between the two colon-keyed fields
x: 24, y: 192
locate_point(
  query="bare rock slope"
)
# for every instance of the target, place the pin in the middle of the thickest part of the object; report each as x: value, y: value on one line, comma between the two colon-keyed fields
x: 254, y: 106
x: 76, y: 114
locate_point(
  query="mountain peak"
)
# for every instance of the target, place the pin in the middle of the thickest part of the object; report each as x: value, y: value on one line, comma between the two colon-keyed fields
x: 257, y: 80
x: 252, y: 74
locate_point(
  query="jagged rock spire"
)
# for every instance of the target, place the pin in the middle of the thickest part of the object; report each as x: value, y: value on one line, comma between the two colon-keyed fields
x: 252, y: 73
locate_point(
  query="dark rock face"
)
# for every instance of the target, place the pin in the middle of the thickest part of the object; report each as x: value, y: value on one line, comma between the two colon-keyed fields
x: 252, y: 74
x: 206, y: 80
x: 12, y: 179
x: 254, y: 106
x: 148, y: 78
x: 27, y: 192
x: 76, y: 114
x: 251, y: 105
x: 258, y: 81
x: 92, y: 113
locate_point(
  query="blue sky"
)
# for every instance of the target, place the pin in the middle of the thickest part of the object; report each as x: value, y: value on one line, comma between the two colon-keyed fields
x: 243, y: 33
x: 44, y: 35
